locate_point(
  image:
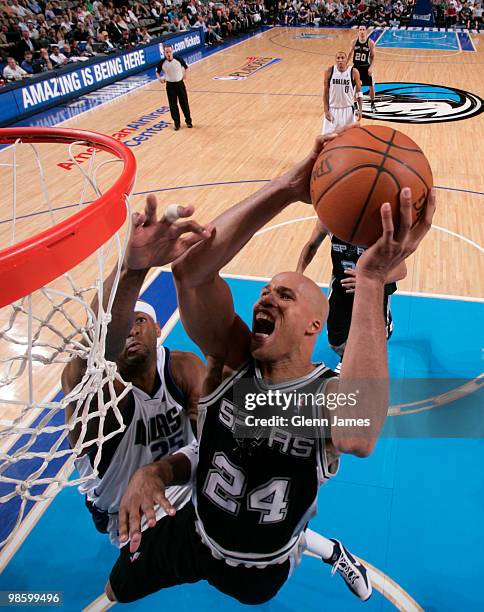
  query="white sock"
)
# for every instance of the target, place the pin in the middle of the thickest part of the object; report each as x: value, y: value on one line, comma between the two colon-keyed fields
x: 318, y: 544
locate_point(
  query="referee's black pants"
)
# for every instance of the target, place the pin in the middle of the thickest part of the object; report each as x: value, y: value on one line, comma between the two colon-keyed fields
x: 177, y: 92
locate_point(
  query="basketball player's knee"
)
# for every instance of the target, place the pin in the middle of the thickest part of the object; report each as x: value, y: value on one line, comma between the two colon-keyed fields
x: 109, y: 592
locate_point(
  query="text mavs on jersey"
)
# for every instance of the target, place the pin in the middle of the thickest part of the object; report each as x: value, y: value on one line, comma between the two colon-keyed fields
x: 422, y: 103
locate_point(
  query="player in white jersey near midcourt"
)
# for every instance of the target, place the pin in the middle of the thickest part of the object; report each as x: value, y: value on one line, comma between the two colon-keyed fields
x: 341, y: 88
x: 159, y: 413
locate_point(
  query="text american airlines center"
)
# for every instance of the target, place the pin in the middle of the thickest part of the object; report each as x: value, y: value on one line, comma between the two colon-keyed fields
x: 88, y: 76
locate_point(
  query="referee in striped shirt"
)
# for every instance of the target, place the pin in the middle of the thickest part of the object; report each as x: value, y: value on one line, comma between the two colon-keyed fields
x: 174, y: 69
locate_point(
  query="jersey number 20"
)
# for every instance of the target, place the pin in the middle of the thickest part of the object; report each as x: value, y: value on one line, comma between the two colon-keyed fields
x: 225, y: 486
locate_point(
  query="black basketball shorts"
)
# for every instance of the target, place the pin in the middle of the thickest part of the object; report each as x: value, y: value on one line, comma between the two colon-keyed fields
x: 172, y: 553
x: 365, y: 78
x: 340, y: 311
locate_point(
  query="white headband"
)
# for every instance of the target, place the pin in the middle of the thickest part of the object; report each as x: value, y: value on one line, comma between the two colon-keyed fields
x: 146, y: 308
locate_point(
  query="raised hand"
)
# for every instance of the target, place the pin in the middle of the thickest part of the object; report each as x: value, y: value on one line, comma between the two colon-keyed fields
x: 394, y: 247
x: 146, y: 489
x: 297, y: 180
x: 157, y: 243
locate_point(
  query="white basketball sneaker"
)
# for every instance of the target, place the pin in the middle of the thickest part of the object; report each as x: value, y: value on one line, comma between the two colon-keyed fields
x: 352, y: 571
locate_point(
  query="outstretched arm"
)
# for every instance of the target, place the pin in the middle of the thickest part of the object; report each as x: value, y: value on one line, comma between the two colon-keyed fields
x: 311, y: 247
x: 364, y: 370
x: 152, y: 243
x: 204, y: 299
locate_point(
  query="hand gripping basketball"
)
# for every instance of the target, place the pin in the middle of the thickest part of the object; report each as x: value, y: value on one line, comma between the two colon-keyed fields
x: 393, y: 247
x: 360, y: 169
x: 157, y: 243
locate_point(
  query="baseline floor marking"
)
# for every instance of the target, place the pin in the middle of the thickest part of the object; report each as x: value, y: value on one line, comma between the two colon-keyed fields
x: 437, y: 296
x: 99, y: 604
x: 169, y: 325
x: 458, y: 42
x: 255, y: 93
x: 215, y: 184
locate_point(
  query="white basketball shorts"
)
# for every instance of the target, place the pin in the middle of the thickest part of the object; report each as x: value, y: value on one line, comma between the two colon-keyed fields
x: 341, y: 117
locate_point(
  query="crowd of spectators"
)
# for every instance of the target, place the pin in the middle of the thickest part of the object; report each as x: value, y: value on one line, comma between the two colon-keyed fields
x: 37, y: 35
x: 378, y: 13
x: 41, y: 35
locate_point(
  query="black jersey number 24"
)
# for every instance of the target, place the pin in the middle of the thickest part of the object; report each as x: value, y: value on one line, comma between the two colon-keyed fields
x: 225, y: 487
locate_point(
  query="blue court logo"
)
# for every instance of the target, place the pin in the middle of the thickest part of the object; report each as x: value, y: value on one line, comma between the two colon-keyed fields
x: 422, y: 103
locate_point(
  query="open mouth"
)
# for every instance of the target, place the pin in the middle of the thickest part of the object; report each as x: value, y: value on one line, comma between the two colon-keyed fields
x: 263, y: 325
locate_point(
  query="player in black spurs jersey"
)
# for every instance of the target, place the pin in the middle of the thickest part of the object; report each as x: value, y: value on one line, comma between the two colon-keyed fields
x: 344, y: 258
x: 362, y: 53
x: 253, y: 497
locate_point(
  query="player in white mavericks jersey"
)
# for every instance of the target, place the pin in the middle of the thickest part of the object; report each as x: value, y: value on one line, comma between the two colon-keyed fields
x: 157, y: 424
x: 159, y: 409
x: 341, y: 88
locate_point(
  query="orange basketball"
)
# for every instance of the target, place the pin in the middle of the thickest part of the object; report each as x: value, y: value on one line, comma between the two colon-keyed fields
x: 359, y: 171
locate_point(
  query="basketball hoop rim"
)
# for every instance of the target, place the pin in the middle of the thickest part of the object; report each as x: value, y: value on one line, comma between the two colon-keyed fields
x: 32, y: 263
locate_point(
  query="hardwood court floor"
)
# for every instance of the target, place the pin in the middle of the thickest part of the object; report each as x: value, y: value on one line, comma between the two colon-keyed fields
x: 252, y: 130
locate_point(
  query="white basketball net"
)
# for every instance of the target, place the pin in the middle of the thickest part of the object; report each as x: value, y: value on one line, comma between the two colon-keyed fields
x: 41, y: 332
